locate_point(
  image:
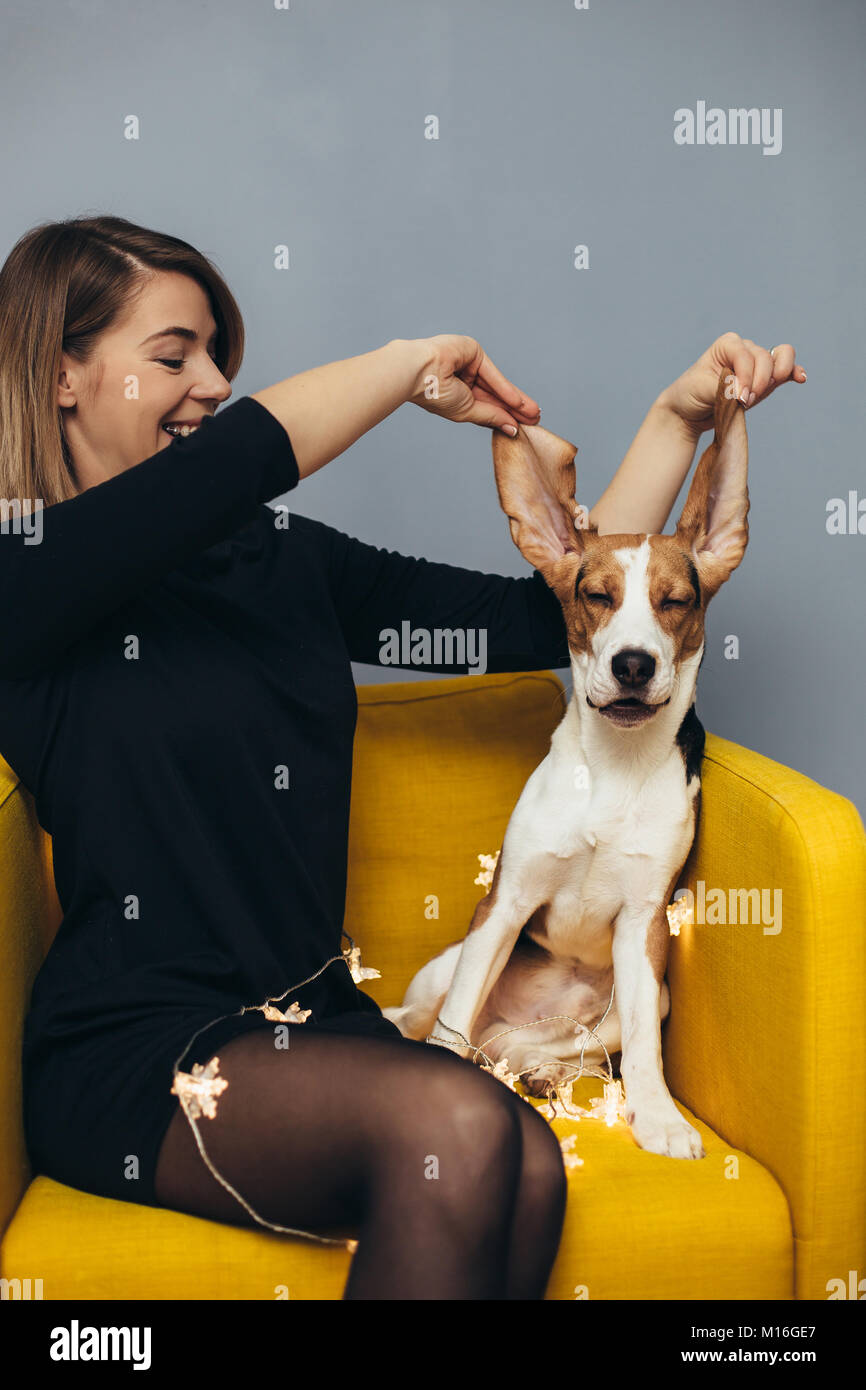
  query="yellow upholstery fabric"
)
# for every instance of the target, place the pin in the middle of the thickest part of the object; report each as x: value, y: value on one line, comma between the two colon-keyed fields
x: 767, y: 1041
x: 774, y: 1210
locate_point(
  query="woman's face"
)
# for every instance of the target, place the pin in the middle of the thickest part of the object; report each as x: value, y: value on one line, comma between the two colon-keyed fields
x: 142, y: 378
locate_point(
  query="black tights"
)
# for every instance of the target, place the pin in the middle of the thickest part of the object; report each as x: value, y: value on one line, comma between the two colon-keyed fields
x: 452, y: 1185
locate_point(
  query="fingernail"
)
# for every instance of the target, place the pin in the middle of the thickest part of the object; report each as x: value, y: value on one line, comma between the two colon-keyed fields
x: 805, y: 378
x: 510, y: 429
x: 752, y: 398
x: 744, y: 396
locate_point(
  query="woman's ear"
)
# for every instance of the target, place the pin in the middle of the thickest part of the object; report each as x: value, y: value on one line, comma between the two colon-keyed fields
x: 535, y: 479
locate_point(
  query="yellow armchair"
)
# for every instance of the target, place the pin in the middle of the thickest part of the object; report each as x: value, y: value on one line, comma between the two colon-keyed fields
x: 765, y: 1048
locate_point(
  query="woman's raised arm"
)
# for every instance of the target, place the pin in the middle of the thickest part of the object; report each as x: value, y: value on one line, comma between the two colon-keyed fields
x: 641, y: 493
x: 644, y: 488
x: 77, y: 561
x: 329, y: 407
x: 65, y: 567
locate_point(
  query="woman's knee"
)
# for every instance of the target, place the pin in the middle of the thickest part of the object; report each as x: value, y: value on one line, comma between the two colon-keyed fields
x: 458, y: 1163
x: 463, y: 1120
x: 544, y: 1174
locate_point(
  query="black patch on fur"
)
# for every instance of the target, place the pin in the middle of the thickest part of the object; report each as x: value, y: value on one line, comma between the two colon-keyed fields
x: 578, y: 578
x: 696, y: 583
x: 694, y: 577
x: 690, y: 741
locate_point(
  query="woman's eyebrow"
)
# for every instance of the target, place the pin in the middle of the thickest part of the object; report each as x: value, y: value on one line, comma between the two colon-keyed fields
x: 176, y: 332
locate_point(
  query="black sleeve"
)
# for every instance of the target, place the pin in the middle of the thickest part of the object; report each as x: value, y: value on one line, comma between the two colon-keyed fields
x: 106, y: 545
x: 376, y: 589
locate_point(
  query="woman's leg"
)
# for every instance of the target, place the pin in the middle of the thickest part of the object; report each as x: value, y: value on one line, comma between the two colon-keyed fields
x: 415, y: 1152
x: 539, y: 1212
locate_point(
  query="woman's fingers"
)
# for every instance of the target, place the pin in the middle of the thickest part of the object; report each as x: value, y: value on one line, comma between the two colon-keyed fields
x: 488, y: 383
x: 486, y: 409
x: 783, y: 362
x: 472, y: 388
x: 514, y: 416
x: 786, y: 367
x: 762, y: 370
x: 457, y: 400
x: 734, y: 355
x: 758, y: 370
x: 520, y: 405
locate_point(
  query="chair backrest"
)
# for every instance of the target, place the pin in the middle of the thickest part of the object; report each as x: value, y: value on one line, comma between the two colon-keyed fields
x: 438, y: 767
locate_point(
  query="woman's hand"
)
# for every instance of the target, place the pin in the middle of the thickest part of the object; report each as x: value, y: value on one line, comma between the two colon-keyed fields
x: 460, y: 382
x: 758, y: 373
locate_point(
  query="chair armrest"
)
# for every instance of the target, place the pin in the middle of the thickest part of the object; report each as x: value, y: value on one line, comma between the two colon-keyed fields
x: 766, y: 1039
x: 29, y: 914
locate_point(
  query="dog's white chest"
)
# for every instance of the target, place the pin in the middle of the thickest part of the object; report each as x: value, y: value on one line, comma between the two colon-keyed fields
x: 588, y: 851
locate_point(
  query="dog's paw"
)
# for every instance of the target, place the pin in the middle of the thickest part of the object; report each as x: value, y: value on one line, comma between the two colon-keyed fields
x: 544, y: 1078
x: 665, y: 1132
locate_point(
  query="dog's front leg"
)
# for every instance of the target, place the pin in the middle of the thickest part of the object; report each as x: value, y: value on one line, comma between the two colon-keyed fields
x: 493, y: 931
x: 640, y: 944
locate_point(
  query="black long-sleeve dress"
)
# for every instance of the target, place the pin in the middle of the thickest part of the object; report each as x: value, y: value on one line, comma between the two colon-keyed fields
x: 176, y: 692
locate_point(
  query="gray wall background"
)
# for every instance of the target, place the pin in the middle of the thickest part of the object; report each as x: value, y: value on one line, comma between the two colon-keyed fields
x: 305, y: 126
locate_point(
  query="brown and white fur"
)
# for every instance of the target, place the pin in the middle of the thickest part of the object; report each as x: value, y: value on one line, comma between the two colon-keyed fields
x: 603, y: 827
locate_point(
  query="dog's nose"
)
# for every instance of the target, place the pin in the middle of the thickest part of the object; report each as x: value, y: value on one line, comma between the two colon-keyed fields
x: 633, y: 667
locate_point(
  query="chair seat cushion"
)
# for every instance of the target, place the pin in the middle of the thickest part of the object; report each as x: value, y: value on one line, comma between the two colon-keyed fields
x: 638, y: 1226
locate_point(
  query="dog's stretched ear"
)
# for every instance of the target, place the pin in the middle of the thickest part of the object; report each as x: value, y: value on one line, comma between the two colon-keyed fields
x: 535, y: 479
x: 713, y: 526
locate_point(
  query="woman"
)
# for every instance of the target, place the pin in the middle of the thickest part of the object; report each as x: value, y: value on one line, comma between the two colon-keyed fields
x: 176, y: 692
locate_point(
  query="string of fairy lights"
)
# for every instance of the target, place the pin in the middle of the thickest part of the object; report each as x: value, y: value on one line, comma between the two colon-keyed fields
x: 199, y: 1089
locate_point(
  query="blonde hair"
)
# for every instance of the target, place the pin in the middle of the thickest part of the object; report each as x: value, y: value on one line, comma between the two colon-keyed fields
x: 62, y: 286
